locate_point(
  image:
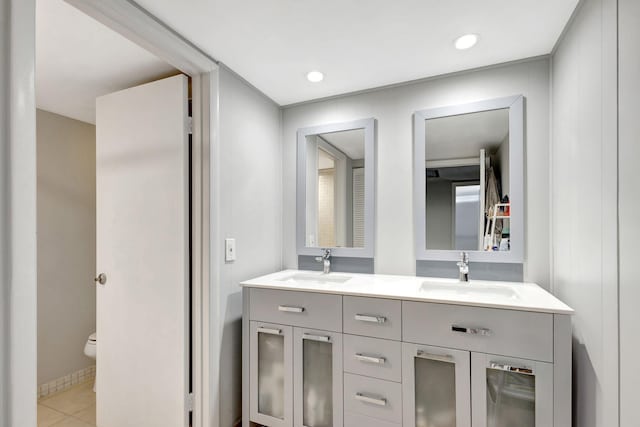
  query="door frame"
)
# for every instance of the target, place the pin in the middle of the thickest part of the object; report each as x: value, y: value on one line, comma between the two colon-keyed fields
x: 136, y: 24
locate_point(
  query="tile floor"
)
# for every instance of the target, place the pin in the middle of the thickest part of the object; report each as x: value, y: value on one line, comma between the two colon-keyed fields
x: 74, y: 407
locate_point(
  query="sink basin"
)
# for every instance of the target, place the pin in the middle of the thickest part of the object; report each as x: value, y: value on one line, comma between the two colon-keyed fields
x: 316, y: 278
x: 471, y: 289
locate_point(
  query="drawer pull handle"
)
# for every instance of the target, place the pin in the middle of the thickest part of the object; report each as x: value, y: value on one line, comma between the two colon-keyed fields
x: 270, y: 331
x: 510, y: 368
x: 471, y: 331
x: 290, y: 309
x: 369, y: 318
x: 438, y: 357
x: 370, y: 359
x: 320, y: 338
x: 373, y: 400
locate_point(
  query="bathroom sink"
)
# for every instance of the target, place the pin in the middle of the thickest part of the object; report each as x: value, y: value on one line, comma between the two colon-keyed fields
x: 470, y: 289
x: 318, y: 278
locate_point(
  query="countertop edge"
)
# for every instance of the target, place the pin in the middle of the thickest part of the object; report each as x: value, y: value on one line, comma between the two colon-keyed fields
x: 252, y: 284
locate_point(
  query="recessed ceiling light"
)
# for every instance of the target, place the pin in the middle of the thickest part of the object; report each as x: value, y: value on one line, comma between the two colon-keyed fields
x: 467, y: 41
x: 315, y: 76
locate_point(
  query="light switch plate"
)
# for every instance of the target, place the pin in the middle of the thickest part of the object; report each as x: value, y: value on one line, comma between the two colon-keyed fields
x: 229, y: 250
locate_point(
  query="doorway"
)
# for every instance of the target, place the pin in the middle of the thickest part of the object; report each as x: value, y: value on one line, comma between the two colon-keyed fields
x: 128, y: 316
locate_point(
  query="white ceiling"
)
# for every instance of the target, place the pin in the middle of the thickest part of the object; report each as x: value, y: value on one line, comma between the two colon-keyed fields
x: 79, y: 59
x: 463, y: 136
x: 360, y: 44
x: 274, y: 43
x: 350, y: 142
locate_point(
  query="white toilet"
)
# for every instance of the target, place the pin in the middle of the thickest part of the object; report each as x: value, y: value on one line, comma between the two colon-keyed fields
x: 90, y: 350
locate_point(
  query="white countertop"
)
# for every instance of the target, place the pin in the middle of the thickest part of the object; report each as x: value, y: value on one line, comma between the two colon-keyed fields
x: 479, y: 293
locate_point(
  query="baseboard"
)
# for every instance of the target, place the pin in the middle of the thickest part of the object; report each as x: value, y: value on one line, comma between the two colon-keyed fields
x: 69, y: 380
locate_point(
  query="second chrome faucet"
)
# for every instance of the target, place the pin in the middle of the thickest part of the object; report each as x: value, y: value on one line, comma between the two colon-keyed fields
x: 463, y: 266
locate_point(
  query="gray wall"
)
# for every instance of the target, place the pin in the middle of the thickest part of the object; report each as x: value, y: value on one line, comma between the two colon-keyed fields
x: 249, y: 186
x: 66, y: 151
x: 393, y: 107
x: 584, y: 231
x: 629, y: 214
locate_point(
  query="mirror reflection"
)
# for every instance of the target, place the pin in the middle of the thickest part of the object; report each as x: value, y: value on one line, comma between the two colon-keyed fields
x: 467, y: 177
x: 335, y: 189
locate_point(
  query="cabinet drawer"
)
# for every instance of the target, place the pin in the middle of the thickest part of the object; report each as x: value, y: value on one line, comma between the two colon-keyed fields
x: 506, y: 332
x: 356, y: 420
x: 373, y: 317
x: 304, y: 309
x: 373, y: 397
x: 373, y: 357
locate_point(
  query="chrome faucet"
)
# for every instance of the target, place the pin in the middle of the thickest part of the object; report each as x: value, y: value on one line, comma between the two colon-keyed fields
x: 326, y: 260
x: 463, y: 265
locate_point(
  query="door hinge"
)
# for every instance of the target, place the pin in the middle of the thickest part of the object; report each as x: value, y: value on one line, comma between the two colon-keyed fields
x: 190, y: 125
x: 190, y: 402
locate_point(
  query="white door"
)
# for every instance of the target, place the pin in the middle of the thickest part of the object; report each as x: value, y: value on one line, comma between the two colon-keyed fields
x: 142, y: 248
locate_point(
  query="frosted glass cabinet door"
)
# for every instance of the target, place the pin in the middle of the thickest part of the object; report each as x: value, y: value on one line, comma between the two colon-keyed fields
x: 511, y: 392
x: 271, y: 374
x: 317, y: 389
x: 436, y: 387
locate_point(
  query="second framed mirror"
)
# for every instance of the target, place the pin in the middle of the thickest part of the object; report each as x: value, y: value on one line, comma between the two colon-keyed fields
x: 468, y: 181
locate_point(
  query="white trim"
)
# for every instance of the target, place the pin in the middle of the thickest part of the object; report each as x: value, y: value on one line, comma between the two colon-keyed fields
x: 18, y: 267
x: 450, y: 163
x: 139, y: 26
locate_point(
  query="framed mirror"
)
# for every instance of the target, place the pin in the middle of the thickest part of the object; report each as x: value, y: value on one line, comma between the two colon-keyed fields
x: 468, y: 181
x: 335, y: 189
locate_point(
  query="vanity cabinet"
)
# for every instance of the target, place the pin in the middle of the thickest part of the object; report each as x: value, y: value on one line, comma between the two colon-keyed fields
x: 436, y: 386
x: 271, y: 374
x: 326, y: 359
x: 508, y: 391
x: 317, y: 378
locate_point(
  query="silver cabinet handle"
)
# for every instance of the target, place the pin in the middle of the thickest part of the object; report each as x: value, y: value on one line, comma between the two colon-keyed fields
x: 438, y: 357
x: 101, y: 278
x: 510, y: 368
x: 270, y: 331
x: 320, y: 338
x: 290, y: 309
x: 373, y: 400
x: 471, y: 331
x: 370, y: 359
x: 370, y: 318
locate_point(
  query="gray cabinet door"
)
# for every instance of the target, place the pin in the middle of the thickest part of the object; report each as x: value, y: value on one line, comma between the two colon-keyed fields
x: 436, y: 386
x: 317, y: 387
x: 271, y: 374
x: 508, y: 391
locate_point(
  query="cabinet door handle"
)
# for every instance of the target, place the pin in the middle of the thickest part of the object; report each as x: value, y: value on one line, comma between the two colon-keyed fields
x: 373, y: 400
x: 439, y: 357
x: 290, y: 309
x: 370, y: 359
x: 370, y: 318
x: 321, y: 338
x: 269, y: 331
x: 471, y: 331
x: 510, y: 368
